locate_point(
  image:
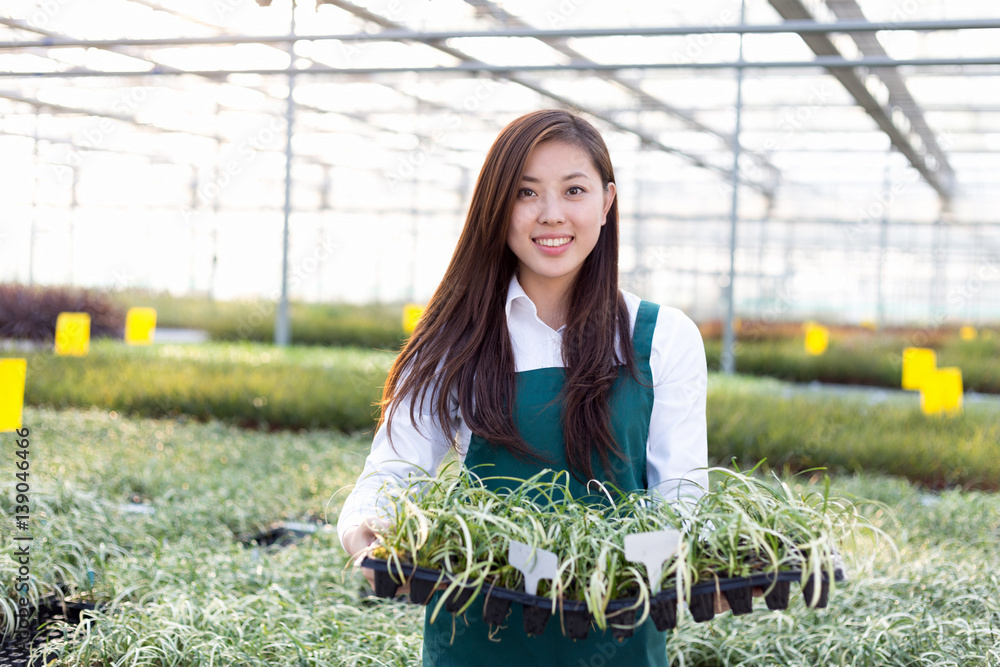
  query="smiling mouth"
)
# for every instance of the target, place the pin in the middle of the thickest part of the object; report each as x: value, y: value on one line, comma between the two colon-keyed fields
x: 554, y: 243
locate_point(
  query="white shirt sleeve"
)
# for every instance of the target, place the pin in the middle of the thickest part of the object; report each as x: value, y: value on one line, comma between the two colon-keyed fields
x: 418, y: 452
x: 677, y: 449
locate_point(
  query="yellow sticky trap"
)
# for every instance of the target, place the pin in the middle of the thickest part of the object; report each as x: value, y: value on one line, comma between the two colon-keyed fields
x: 411, y: 313
x: 139, y: 326
x: 12, y: 373
x: 73, y: 334
x: 967, y: 333
x: 868, y: 324
x: 942, y: 392
x: 918, y: 365
x: 817, y: 339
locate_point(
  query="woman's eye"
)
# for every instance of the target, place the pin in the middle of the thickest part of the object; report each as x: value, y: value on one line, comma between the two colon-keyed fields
x: 525, y: 192
x: 575, y: 190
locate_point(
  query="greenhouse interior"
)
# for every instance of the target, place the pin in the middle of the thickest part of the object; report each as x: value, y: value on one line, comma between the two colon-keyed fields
x: 222, y: 220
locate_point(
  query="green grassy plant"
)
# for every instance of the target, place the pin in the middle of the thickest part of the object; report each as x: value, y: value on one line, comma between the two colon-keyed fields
x: 182, y: 592
x: 368, y: 326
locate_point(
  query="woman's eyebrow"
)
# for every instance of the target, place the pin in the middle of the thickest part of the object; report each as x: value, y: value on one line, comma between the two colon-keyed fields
x: 567, y: 177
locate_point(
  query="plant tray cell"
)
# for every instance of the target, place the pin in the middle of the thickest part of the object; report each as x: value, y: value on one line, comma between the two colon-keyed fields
x: 664, y: 613
x: 576, y: 623
x: 808, y: 591
x: 495, y: 608
x: 740, y: 600
x: 50, y: 609
x: 623, y: 617
x: 535, y: 619
x: 778, y: 597
x: 279, y: 534
x: 458, y: 598
x: 385, y: 587
x: 702, y: 607
x: 421, y: 590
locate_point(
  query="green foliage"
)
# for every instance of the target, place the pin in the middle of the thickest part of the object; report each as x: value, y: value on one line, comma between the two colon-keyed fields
x: 866, y: 360
x: 310, y: 387
x: 755, y: 419
x: 30, y: 313
x: 246, y: 384
x: 183, y: 592
x: 376, y: 326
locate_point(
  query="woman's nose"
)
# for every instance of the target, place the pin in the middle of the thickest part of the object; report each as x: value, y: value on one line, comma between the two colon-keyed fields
x: 552, y: 211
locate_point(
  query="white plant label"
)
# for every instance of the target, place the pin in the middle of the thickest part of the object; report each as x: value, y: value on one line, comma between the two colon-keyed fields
x: 652, y: 549
x: 535, y: 564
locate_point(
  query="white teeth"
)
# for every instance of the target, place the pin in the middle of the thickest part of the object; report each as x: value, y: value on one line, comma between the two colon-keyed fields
x: 553, y: 243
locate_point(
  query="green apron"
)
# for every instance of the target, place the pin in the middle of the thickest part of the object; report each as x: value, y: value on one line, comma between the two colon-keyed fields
x: 463, y: 640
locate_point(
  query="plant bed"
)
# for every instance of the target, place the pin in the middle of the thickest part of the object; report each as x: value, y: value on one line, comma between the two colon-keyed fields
x: 279, y: 534
x: 51, y: 609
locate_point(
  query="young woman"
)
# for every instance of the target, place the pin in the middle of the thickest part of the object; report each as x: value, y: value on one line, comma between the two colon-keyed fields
x: 529, y: 356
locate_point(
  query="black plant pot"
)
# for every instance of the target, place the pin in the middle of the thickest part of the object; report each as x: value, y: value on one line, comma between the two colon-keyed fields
x: 778, y: 597
x: 421, y: 590
x: 622, y: 617
x: 385, y: 587
x: 702, y: 607
x: 808, y: 592
x: 495, y: 610
x: 535, y: 619
x: 740, y: 600
x: 577, y: 623
x: 664, y: 613
x: 458, y: 597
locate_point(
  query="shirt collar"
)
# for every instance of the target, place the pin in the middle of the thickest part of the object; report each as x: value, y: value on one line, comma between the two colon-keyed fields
x: 515, y: 294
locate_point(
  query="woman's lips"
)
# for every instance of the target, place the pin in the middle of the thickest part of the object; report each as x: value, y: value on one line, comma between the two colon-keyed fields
x: 554, y: 250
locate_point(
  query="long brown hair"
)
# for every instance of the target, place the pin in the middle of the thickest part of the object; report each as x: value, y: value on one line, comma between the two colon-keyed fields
x: 461, y: 349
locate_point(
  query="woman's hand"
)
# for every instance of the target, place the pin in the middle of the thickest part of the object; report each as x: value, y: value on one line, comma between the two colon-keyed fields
x: 358, y: 541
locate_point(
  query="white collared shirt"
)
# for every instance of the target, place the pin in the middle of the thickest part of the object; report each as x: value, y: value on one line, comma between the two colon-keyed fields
x: 676, y: 450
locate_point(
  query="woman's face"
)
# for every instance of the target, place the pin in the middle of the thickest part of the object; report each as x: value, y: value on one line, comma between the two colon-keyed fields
x: 560, y: 208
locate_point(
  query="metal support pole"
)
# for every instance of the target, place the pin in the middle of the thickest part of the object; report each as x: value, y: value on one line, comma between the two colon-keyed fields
x: 728, y: 337
x: 74, y: 202
x: 282, y: 327
x: 34, y: 209
x: 882, y: 243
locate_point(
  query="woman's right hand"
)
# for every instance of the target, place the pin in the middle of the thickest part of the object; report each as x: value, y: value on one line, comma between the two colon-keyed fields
x: 358, y: 540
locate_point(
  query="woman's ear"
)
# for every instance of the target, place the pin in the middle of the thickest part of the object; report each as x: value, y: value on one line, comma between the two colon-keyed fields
x: 609, y: 196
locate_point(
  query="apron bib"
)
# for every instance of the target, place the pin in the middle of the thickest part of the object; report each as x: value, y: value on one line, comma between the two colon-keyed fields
x: 464, y: 641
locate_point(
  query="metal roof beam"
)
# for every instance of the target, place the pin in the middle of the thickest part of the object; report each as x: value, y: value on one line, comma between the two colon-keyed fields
x: 498, y: 13
x: 792, y: 26
x: 901, y: 137
x: 472, y: 64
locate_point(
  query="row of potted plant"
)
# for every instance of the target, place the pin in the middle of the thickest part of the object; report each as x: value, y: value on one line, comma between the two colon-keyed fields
x: 455, y: 532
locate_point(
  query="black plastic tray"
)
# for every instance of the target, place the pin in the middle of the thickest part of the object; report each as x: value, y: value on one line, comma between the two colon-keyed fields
x: 762, y: 580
